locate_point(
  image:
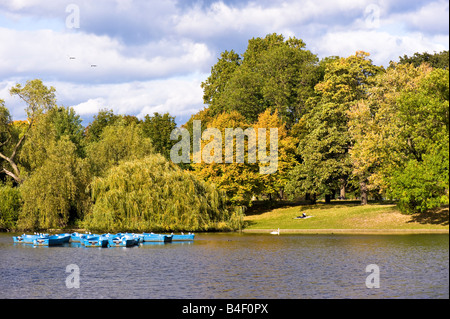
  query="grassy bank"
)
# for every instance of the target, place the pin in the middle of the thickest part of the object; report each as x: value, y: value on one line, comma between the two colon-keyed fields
x: 346, y: 217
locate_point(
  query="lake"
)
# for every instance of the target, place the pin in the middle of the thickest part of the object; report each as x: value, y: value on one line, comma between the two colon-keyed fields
x: 234, y: 266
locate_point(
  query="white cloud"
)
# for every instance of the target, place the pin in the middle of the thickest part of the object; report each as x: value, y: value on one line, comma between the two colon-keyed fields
x: 432, y: 18
x: 151, y: 56
x: 382, y: 46
x: 178, y: 96
x: 91, y: 58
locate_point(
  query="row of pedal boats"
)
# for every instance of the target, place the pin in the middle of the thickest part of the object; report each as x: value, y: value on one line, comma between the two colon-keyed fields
x: 100, y: 240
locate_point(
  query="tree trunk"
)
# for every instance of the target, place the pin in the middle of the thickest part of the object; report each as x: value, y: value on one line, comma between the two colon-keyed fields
x: 11, y: 159
x: 363, y: 186
x: 342, y: 192
x: 327, y: 198
x: 314, y: 198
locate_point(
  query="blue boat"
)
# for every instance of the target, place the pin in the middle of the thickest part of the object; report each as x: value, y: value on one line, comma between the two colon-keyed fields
x: 95, y: 241
x: 54, y: 240
x: 151, y: 237
x: 27, y: 239
x: 24, y: 239
x: 121, y: 241
x: 139, y: 238
x: 77, y: 237
x: 183, y: 237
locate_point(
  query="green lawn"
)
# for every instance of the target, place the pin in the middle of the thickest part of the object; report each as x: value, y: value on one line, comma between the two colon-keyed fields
x: 346, y: 215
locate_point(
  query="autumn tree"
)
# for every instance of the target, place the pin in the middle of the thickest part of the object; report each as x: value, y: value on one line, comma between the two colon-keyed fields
x: 237, y: 179
x: 401, y: 136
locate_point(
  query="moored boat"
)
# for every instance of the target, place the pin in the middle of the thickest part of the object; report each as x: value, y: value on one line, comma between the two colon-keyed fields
x: 121, y: 241
x: 183, y: 237
x: 151, y: 237
x: 77, y: 237
x: 27, y: 239
x: 53, y: 240
x: 95, y: 241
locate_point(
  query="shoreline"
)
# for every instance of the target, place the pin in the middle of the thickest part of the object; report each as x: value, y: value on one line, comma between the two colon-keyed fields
x: 351, y: 231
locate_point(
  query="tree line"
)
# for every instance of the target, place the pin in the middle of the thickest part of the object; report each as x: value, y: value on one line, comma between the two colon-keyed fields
x: 345, y: 127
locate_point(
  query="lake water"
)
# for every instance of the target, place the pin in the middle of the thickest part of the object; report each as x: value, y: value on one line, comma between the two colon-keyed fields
x: 234, y: 266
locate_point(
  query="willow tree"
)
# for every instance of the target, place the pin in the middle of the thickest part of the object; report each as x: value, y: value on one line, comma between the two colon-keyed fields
x: 54, y: 194
x: 118, y: 142
x: 153, y: 194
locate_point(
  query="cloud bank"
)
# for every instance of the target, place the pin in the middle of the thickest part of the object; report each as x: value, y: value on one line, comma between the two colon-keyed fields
x: 139, y: 57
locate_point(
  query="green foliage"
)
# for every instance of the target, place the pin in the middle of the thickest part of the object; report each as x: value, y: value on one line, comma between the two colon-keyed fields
x: 158, y: 128
x: 275, y: 74
x: 325, y: 164
x: 10, y: 205
x: 342, y: 123
x: 37, y: 97
x: 48, y: 128
x: 101, y: 120
x: 421, y: 181
x: 5, y: 120
x: 67, y: 123
x: 401, y: 136
x: 436, y: 60
x: 155, y: 194
x: 117, y: 142
x: 54, y: 194
x: 422, y: 185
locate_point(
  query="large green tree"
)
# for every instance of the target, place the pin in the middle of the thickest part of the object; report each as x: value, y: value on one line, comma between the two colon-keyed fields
x: 273, y: 73
x: 325, y: 165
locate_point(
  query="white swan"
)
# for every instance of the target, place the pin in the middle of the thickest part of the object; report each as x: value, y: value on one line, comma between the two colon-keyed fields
x: 275, y: 232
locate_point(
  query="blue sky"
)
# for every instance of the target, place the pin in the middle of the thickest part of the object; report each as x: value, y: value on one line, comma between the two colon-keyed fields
x: 151, y: 56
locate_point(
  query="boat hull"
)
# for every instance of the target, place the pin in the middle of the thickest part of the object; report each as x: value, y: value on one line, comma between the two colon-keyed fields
x: 183, y: 237
x: 96, y: 242
x: 125, y: 241
x: 150, y: 237
x: 54, y: 240
x: 77, y: 237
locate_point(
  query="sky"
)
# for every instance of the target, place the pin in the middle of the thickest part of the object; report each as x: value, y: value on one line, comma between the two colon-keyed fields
x: 138, y: 57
